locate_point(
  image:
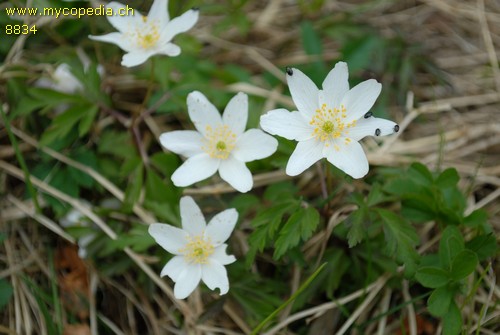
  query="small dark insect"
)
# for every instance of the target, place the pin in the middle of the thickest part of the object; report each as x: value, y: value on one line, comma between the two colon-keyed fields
x: 195, y: 8
x: 396, y: 128
x: 368, y: 114
x: 377, y: 132
x: 289, y: 71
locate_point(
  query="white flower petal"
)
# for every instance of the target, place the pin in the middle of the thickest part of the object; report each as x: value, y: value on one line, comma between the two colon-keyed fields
x: 305, y: 154
x: 254, y: 144
x: 187, y: 281
x: 221, y: 226
x: 115, y: 38
x: 136, y: 57
x: 361, y: 98
x: 174, y: 267
x: 236, y: 113
x: 168, y: 237
x: 123, y: 23
x: 335, y: 85
x: 158, y: 12
x: 180, y: 24
x: 194, y: 169
x: 221, y: 256
x: 304, y: 92
x: 183, y: 142
x: 214, y: 275
x: 350, y: 158
x: 290, y: 125
x: 236, y: 174
x: 169, y: 49
x: 202, y: 112
x: 192, y: 219
x: 368, y: 127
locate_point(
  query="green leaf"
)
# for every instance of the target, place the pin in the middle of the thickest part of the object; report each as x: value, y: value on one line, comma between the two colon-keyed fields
x: 133, y: 190
x: 485, y: 246
x: 478, y: 219
x: 6, y: 292
x: 448, y: 178
x: 299, y: 226
x: 463, y: 264
x: 401, y: 239
x: 158, y: 191
x: 452, y: 321
x: 451, y: 244
x: 432, y: 277
x: 64, y: 123
x: 439, y: 301
x: 87, y: 119
x: 420, y: 174
x: 357, y: 230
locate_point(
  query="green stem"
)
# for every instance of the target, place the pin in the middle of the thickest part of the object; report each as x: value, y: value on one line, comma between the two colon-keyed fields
x: 20, y: 159
x: 290, y: 300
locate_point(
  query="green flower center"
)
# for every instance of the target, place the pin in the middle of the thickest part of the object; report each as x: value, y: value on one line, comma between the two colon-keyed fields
x: 330, y: 124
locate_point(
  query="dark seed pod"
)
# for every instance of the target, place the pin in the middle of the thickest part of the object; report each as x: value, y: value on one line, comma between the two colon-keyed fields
x: 289, y: 71
x: 368, y: 114
x: 396, y: 128
x: 377, y: 132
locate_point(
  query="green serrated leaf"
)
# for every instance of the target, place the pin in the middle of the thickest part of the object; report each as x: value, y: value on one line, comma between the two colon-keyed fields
x: 299, y: 226
x: 451, y: 244
x: 357, y: 230
x: 452, y: 321
x: 463, y: 264
x: 401, y: 238
x: 432, y: 277
x: 86, y: 121
x: 439, y: 301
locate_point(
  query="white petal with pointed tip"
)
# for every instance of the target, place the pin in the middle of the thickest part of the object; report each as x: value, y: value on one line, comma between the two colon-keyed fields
x: 202, y: 112
x: 236, y: 113
x: 221, y: 256
x: 236, y: 174
x: 123, y: 23
x: 305, y: 154
x: 304, y: 93
x: 335, y: 85
x: 159, y: 12
x: 180, y: 24
x: 115, y: 38
x: 136, y: 57
x: 350, y: 158
x: 214, y: 275
x: 168, y: 237
x: 360, y: 99
x: 254, y: 144
x: 221, y: 226
x: 174, y: 267
x: 183, y: 142
x: 192, y: 219
x: 187, y: 280
x: 367, y: 127
x: 194, y: 169
x: 290, y: 125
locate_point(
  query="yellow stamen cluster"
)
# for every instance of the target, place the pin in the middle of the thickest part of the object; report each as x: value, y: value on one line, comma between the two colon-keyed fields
x: 197, y: 250
x: 147, y: 35
x: 219, y: 141
x: 330, y: 123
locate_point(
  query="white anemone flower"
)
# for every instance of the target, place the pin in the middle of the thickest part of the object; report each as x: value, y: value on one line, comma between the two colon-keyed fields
x: 61, y: 80
x: 220, y: 144
x: 329, y: 122
x: 199, y: 249
x: 144, y: 36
